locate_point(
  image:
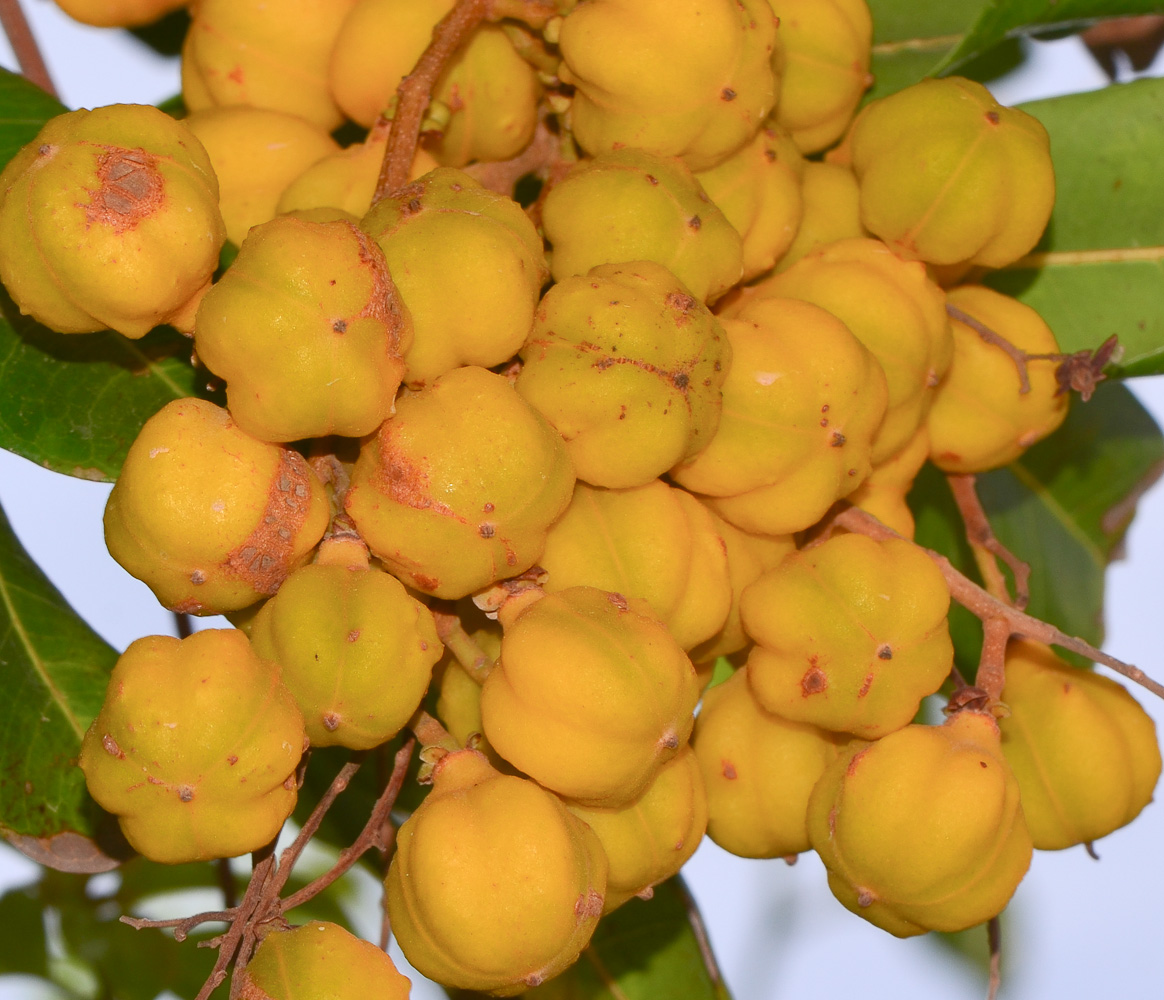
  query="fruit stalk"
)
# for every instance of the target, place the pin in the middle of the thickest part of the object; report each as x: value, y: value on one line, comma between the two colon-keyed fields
x: 23, y: 43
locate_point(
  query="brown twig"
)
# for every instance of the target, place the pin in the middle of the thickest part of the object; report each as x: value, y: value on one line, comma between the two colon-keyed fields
x: 986, y: 606
x: 23, y: 42
x: 182, y: 925
x: 994, y: 940
x: 538, y: 158
x: 1018, y: 356
x: 986, y: 547
x: 465, y: 649
x: 415, y: 93
x: 227, y: 884
x: 183, y: 625
x: 699, y: 930
x: 991, y: 674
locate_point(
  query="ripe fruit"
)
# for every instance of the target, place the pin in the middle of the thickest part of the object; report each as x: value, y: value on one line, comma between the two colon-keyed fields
x: 307, y: 329
x: 1082, y: 749
x: 850, y: 634
x: 980, y: 419
x: 195, y: 748
x: 356, y: 651
x: 883, y: 493
x: 118, y: 13
x: 922, y: 830
x: 630, y: 205
x: 494, y: 886
x: 759, y: 771
x: 949, y: 176
x: 627, y: 365
x: 210, y: 519
x: 320, y: 961
x: 801, y: 404
x: 591, y: 695
x: 109, y: 219
x: 674, y: 77
x: 459, y: 487
x: 832, y: 210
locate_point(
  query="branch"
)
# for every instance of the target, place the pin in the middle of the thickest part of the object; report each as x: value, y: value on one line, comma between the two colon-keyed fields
x: 980, y: 603
x: 468, y: 653
x: 1019, y: 357
x: 981, y: 537
x: 23, y: 43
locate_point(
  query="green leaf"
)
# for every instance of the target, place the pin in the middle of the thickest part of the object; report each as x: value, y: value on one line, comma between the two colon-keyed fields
x: 1099, y: 268
x: 24, y: 108
x: 1063, y: 508
x: 22, y: 945
x: 54, y: 671
x: 644, y: 950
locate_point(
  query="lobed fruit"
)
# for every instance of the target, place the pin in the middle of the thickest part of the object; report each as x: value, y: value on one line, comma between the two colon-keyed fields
x: 195, y: 747
x: 922, y: 830
x: 118, y: 13
x: 109, y: 219
x: 832, y: 210
x: 494, y: 886
x: 209, y: 518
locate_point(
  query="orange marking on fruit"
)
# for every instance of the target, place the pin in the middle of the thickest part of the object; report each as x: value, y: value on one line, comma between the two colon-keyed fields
x: 130, y: 188
x: 728, y: 770
x: 852, y: 768
x: 865, y: 686
x: 814, y: 680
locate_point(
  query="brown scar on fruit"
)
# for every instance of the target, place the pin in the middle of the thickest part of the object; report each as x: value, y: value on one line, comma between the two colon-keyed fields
x: 331, y: 721
x: 852, y: 768
x: 111, y: 747
x: 618, y: 601
x: 129, y: 188
x: 264, y: 559
x: 728, y: 770
x: 588, y: 904
x: 814, y: 680
x: 865, y: 686
x: 866, y: 897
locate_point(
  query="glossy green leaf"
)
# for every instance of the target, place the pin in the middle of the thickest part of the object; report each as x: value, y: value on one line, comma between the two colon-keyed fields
x: 54, y: 671
x: 1099, y: 268
x: 1063, y: 508
x: 24, y: 108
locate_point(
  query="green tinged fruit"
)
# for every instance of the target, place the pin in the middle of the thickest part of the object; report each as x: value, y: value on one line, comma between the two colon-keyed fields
x: 494, y: 886
x: 627, y: 365
x: 109, y: 219
x: 923, y: 829
x: 195, y: 748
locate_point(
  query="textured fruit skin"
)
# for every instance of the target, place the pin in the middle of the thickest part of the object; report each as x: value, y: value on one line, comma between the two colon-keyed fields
x: 320, y: 961
x: 308, y: 331
x: 459, y: 487
x: 832, y: 210
x: 850, y: 634
x: 674, y: 77
x: 118, y: 13
x: 801, y: 405
x: 256, y: 153
x: 494, y: 886
x: 883, y: 493
x: 262, y: 55
x: 1083, y: 751
x: 631, y: 205
x: 948, y: 175
x: 980, y: 419
x: 758, y: 189
x: 209, y: 518
x: 923, y: 829
x: 653, y: 542
x: 591, y: 695
x: 892, y: 307
x: 357, y: 652
x: 824, y: 69
x: 444, y: 224
x: 195, y: 747
x: 627, y: 365
x: 759, y: 771
x: 109, y: 219
x: 649, y: 840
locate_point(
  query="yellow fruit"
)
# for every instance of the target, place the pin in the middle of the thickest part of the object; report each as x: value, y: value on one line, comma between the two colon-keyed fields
x: 494, y: 886
x: 948, y: 175
x: 320, y: 961
x: 825, y: 69
x: 459, y: 487
x: 653, y: 542
x: 922, y: 830
x: 118, y: 13
x: 892, y: 307
x: 850, y: 634
x: 109, y: 219
x: 256, y: 153
x: 195, y: 748
x: 631, y: 205
x: 263, y: 55
x: 591, y: 695
x: 447, y: 224
x: 980, y: 419
x: 649, y: 840
x: 758, y: 189
x: 1082, y: 749
x: 356, y: 651
x: 759, y: 771
x: 307, y: 329
x: 832, y: 210
x: 685, y: 78
x: 627, y: 364
x: 209, y: 518
x: 883, y: 493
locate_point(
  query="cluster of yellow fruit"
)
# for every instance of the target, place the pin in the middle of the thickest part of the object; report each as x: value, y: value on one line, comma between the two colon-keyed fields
x: 622, y: 470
